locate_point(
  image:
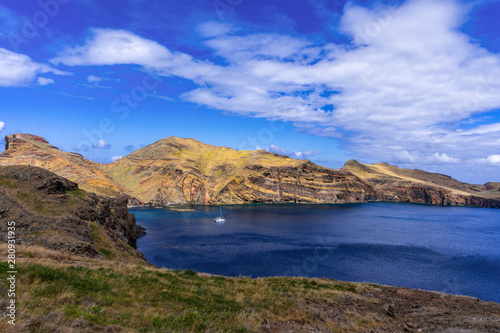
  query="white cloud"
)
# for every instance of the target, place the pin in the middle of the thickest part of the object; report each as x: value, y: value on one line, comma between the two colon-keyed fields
x: 114, y: 158
x: 43, y: 81
x: 93, y: 79
x: 114, y: 47
x: 408, y: 71
x: 2, y: 125
x: 96, y: 82
x: 492, y: 160
x: 111, y: 47
x: 406, y: 157
x: 103, y: 144
x: 294, y: 154
x: 18, y: 70
x: 443, y: 158
x: 395, y: 93
x: 418, y: 157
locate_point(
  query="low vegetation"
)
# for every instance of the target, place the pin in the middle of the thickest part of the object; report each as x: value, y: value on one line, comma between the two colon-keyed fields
x: 81, y: 274
x: 60, y: 292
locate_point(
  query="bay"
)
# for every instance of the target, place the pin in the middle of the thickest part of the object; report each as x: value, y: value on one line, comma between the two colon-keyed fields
x: 449, y: 249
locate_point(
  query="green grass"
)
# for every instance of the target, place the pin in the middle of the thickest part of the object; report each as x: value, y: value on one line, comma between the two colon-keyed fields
x: 160, y: 300
x: 39, y: 206
x: 45, y: 205
x: 107, y: 253
x: 7, y: 182
x: 76, y: 193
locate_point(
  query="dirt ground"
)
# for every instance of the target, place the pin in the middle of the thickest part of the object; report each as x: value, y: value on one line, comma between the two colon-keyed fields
x: 390, y: 309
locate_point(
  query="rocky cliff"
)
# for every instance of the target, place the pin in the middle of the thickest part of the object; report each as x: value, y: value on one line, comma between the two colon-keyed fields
x: 391, y: 183
x: 52, y: 212
x: 188, y: 171
x: 32, y: 150
x: 175, y: 170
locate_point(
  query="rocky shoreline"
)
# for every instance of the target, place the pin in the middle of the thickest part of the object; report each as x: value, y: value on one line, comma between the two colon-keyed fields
x: 52, y: 212
x: 186, y: 171
x: 69, y: 239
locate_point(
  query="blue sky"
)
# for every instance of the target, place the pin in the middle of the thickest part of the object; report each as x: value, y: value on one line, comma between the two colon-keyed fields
x: 412, y: 83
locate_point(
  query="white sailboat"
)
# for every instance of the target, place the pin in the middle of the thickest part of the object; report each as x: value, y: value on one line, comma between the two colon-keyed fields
x: 220, y: 218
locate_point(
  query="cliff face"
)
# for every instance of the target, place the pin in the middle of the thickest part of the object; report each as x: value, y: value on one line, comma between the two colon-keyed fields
x: 32, y: 150
x: 52, y: 212
x: 187, y: 171
x: 391, y: 183
x: 175, y: 170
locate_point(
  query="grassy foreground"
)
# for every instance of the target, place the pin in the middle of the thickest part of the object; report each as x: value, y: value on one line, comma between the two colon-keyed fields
x: 57, y: 292
x: 52, y: 296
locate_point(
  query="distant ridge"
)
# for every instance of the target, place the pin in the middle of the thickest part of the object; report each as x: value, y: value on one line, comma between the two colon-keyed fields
x: 392, y: 183
x: 27, y: 149
x: 176, y: 170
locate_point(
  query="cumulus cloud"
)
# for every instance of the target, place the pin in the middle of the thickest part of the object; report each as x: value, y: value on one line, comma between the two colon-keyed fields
x: 491, y: 160
x: 406, y: 157
x: 2, y: 125
x: 18, y: 70
x: 293, y: 154
x: 443, y: 158
x: 419, y: 157
x: 103, y: 144
x: 114, y: 47
x: 111, y: 47
x: 114, y: 158
x: 400, y: 90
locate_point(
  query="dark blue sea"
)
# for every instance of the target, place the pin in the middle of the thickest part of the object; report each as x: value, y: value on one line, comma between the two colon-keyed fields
x: 449, y: 249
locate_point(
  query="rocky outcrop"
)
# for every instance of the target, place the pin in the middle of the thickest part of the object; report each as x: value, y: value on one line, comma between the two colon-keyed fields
x: 32, y: 150
x: 391, y: 183
x: 177, y: 170
x: 410, y: 192
x: 53, y: 212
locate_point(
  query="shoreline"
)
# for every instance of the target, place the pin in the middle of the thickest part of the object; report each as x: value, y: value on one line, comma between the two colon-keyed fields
x: 182, y: 205
x: 271, y: 304
x: 204, y: 215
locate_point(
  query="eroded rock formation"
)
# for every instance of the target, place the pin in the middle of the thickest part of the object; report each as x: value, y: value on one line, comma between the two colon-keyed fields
x: 175, y: 170
x: 52, y: 212
x: 187, y: 171
x: 32, y: 150
x: 391, y: 183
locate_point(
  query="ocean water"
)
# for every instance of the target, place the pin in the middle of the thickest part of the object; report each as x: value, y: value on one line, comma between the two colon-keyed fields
x: 449, y: 249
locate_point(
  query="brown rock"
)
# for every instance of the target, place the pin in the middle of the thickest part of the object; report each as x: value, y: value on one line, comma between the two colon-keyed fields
x: 53, y: 212
x: 391, y: 183
x: 32, y: 150
x: 175, y: 170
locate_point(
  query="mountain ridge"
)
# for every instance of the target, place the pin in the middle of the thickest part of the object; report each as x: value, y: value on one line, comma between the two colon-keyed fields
x: 76, y: 269
x: 188, y: 171
x: 392, y: 183
x: 32, y: 150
